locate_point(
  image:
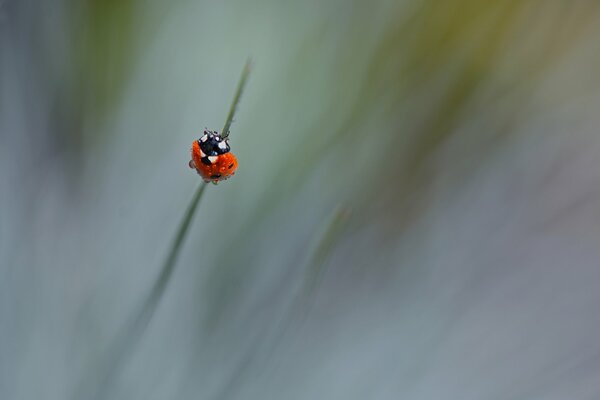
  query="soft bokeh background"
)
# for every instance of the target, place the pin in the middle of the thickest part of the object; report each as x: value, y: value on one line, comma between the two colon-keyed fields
x: 460, y: 139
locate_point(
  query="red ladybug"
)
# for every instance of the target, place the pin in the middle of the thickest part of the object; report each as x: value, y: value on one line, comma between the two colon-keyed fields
x: 212, y: 157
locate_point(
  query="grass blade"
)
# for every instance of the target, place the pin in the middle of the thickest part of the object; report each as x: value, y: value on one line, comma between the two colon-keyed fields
x: 267, y: 344
x: 184, y: 226
x: 328, y: 239
x: 237, y: 97
x: 98, y: 385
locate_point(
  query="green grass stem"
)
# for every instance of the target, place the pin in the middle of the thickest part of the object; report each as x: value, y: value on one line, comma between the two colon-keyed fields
x: 236, y: 98
x: 97, y: 385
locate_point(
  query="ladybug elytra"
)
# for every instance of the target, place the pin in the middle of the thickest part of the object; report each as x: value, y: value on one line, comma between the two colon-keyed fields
x: 212, y: 157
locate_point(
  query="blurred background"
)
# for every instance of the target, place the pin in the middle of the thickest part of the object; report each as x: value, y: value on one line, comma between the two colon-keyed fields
x: 415, y: 215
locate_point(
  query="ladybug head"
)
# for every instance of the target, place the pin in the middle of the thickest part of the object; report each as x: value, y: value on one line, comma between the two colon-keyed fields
x: 212, y: 144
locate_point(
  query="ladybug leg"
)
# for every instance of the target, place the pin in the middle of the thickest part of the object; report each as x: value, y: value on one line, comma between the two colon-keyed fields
x: 192, y: 164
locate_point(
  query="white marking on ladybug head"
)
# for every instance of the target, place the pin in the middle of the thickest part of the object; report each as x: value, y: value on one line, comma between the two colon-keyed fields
x: 212, y: 159
x: 202, y: 154
x: 204, y: 138
x: 223, y: 145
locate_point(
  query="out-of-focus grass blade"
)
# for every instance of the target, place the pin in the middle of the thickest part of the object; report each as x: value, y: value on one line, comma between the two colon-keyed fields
x: 99, y: 385
x: 237, y: 97
x: 322, y: 250
x: 268, y: 343
x: 167, y: 270
x: 169, y: 264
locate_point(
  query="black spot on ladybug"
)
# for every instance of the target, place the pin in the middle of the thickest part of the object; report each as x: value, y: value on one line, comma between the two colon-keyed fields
x: 214, y: 144
x: 230, y: 166
x: 215, y: 176
x: 205, y: 161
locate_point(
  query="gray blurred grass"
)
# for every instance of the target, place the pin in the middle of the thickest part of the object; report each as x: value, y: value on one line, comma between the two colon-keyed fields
x: 101, y: 375
x: 462, y: 134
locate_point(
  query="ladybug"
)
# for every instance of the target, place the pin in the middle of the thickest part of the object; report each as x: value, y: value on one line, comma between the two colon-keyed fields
x: 212, y: 157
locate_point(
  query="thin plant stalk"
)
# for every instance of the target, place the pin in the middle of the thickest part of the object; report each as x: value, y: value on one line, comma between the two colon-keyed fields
x: 169, y: 265
x: 236, y: 98
x: 98, y: 385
